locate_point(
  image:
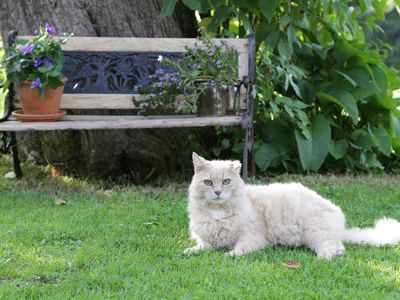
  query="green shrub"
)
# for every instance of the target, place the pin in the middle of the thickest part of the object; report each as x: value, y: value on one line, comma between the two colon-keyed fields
x: 323, y: 93
x: 2, y: 80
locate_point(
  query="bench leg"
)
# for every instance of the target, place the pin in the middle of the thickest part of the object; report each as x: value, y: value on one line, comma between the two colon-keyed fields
x: 252, y: 159
x: 14, y: 149
x: 249, y: 167
x: 245, y: 168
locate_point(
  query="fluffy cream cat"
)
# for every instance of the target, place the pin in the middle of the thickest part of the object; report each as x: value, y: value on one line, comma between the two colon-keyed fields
x: 226, y: 213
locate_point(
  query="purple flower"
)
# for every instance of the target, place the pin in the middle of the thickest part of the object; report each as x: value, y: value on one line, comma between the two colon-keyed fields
x: 37, y: 62
x: 136, y: 88
x: 50, y: 29
x: 27, y: 49
x: 166, y: 77
x: 218, y: 63
x: 35, y: 83
x: 160, y: 71
x: 37, y: 32
x: 48, y: 62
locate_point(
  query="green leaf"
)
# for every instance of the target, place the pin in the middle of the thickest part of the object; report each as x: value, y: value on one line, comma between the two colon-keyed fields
x: 313, y: 151
x: 384, y: 140
x: 55, y: 82
x: 167, y: 8
x: 344, y: 99
x: 277, y: 131
x: 291, y: 34
x: 55, y: 73
x: 284, y: 48
x: 43, y: 69
x: 295, y: 87
x: 347, y: 77
x: 320, y: 50
x: 272, y: 39
x: 268, y: 8
x: 362, y: 139
x: 370, y: 160
x: 221, y: 14
x: 192, y: 4
x: 289, y: 110
x: 265, y: 155
x: 225, y: 143
x: 338, y: 149
x: 365, y: 91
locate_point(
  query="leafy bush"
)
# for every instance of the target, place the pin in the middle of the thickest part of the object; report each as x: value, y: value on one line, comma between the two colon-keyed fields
x: 2, y: 80
x: 323, y: 93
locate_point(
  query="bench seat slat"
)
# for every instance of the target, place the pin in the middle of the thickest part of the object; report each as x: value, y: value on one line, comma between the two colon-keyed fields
x: 120, y: 122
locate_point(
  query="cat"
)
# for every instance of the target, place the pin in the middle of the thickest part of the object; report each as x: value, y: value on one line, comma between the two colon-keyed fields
x: 224, y: 212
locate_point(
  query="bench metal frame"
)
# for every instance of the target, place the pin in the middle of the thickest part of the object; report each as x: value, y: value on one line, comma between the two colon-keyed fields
x: 81, y: 93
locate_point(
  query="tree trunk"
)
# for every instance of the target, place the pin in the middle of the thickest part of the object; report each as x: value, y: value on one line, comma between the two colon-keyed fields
x: 140, y: 153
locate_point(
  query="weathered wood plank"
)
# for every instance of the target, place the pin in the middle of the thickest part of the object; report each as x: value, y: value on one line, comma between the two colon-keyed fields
x: 93, y: 101
x: 104, y: 101
x: 121, y: 123
x: 139, y: 44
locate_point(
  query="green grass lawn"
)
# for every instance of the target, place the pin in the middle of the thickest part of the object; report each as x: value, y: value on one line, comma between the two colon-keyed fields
x: 128, y: 243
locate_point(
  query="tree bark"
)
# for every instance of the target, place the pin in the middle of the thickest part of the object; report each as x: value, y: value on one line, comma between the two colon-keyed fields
x: 106, y: 154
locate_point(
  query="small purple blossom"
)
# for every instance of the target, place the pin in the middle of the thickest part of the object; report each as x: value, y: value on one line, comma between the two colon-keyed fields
x: 37, y: 62
x: 27, y: 48
x: 218, y: 63
x: 36, y: 83
x: 212, y: 51
x: 50, y: 29
x: 166, y: 77
x: 37, y: 32
x: 48, y: 62
x: 160, y: 71
x: 136, y: 89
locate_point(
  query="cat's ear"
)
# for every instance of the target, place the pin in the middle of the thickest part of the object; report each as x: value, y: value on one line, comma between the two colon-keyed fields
x: 199, y: 163
x: 235, y: 166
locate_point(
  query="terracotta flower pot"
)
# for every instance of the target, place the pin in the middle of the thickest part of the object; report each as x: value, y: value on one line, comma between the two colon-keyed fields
x: 33, y: 104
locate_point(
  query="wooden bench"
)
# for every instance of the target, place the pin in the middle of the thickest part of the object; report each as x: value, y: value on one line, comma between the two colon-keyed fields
x: 94, y: 67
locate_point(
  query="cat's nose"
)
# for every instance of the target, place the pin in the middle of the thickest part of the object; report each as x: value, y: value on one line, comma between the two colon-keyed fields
x: 217, y: 193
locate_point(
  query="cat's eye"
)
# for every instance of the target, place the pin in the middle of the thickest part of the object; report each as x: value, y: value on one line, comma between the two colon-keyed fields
x: 226, y: 181
x: 208, y: 182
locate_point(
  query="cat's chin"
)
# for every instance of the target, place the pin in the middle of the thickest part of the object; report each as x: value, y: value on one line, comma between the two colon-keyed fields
x: 218, y: 200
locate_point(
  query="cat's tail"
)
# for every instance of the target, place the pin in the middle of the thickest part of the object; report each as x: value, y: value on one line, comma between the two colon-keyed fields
x: 385, y: 232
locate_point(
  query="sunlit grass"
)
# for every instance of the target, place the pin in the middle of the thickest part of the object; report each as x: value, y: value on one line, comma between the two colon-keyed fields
x: 127, y: 243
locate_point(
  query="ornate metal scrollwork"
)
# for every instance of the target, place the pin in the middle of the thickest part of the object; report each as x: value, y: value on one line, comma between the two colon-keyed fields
x: 110, y: 72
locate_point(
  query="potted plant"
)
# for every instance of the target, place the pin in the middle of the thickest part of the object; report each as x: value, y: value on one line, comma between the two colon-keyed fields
x: 35, y: 68
x: 202, y: 81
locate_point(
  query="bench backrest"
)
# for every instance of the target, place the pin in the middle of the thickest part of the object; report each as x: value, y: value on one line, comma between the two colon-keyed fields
x: 102, y: 71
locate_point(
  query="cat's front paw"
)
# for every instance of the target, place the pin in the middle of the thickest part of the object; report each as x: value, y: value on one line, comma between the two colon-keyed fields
x: 236, y: 252
x: 192, y: 250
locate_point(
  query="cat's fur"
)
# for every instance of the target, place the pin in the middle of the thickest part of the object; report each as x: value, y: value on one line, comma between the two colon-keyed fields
x: 244, y: 218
